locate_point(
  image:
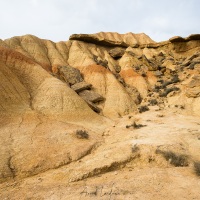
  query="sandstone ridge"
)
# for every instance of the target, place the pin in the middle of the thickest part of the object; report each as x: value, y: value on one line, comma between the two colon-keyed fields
x: 114, y: 39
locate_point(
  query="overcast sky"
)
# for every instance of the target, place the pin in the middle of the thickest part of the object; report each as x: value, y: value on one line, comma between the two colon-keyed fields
x: 58, y: 19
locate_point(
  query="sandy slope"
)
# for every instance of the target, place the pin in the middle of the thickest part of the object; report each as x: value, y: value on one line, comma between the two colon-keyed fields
x: 126, y: 165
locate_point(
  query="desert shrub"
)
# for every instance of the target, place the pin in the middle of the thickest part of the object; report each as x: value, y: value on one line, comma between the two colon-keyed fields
x: 135, y: 126
x: 197, y: 168
x: 175, y: 79
x: 178, y: 160
x: 135, y: 148
x: 158, y: 87
x: 137, y: 68
x: 143, y: 74
x: 153, y: 102
x: 82, y: 134
x: 182, y: 107
x: 191, y: 66
x: 168, y: 90
x: 143, y: 109
x: 155, y: 90
x: 161, y: 81
x: 160, y: 115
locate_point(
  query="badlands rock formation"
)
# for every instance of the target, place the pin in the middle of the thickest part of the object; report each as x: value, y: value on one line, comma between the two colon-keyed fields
x: 100, y: 116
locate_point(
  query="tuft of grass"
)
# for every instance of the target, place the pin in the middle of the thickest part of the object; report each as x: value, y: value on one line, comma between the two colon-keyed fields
x: 178, y: 160
x: 82, y: 134
x: 197, y: 168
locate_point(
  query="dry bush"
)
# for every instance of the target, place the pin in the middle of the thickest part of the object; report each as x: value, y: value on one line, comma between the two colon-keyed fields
x: 135, y: 126
x: 143, y: 109
x: 82, y: 134
x: 178, y: 160
x: 197, y: 168
x: 168, y: 90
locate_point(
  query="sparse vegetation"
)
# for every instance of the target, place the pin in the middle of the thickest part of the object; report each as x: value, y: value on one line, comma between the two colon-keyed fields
x: 160, y: 115
x: 82, y: 134
x: 191, y: 66
x: 137, y: 68
x: 178, y: 160
x: 135, y: 148
x: 168, y: 90
x: 143, y: 74
x: 197, y: 168
x: 135, y: 126
x: 182, y: 107
x: 164, y: 84
x: 153, y: 102
x: 143, y: 109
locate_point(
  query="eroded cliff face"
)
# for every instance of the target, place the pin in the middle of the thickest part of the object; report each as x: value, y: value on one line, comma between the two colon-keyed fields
x: 52, y: 91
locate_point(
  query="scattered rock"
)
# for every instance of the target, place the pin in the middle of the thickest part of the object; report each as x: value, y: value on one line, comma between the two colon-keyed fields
x: 69, y: 74
x: 101, y: 62
x: 91, y: 96
x: 117, y: 52
x: 93, y: 106
x: 78, y: 87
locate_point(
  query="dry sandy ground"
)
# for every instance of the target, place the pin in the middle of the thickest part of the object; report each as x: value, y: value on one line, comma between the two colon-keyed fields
x: 155, y: 161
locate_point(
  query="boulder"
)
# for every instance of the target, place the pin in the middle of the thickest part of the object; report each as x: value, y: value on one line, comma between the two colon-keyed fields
x: 193, y: 88
x: 117, y: 52
x: 176, y: 39
x: 70, y: 74
x: 93, y: 106
x: 90, y: 96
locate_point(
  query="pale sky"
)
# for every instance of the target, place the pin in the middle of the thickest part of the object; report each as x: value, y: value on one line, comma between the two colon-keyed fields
x: 56, y: 20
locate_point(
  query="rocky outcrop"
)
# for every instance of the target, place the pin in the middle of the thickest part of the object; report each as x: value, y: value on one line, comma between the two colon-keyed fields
x: 193, y: 88
x: 117, y: 52
x: 91, y: 96
x: 69, y: 74
x: 81, y: 86
x: 106, y: 84
x: 185, y: 44
x: 114, y: 39
x: 181, y: 39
